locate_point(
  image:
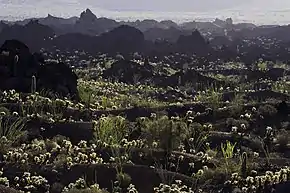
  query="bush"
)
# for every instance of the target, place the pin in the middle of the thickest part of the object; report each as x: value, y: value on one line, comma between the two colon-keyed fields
x: 5, y: 111
x: 4, y: 189
x: 56, y: 188
x: 88, y: 190
x: 267, y: 111
x: 283, y: 139
x: 231, y: 122
x: 168, y: 132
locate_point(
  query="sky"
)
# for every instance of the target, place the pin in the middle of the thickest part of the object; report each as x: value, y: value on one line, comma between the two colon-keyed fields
x: 258, y: 11
x: 165, y: 5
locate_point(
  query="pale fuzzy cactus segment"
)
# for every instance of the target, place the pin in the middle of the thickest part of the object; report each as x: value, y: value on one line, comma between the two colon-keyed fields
x: 33, y: 84
x: 244, y: 165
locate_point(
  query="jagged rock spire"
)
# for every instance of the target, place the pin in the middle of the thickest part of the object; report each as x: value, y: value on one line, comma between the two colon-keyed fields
x: 88, y: 16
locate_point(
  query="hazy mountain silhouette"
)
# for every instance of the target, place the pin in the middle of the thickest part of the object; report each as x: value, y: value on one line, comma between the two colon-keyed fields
x: 88, y: 23
x: 33, y: 34
x: 98, y: 34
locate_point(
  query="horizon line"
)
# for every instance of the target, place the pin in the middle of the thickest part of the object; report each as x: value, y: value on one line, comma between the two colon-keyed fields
x: 129, y: 16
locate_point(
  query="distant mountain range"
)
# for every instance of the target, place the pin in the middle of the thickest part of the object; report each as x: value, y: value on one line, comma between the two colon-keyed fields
x: 259, y: 12
x: 88, y: 23
x: 99, y: 34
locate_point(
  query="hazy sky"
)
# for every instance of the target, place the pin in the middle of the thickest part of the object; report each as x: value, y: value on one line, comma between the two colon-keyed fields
x: 151, y: 5
x: 166, y: 5
x: 244, y: 10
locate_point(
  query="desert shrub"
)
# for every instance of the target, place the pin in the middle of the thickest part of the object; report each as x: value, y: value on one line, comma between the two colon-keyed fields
x: 237, y: 104
x: 124, y: 180
x: 239, y: 123
x: 170, y: 133
x: 211, y: 96
x: 4, y: 189
x: 235, y: 110
x: 12, y: 130
x: 81, y: 186
x: 56, y: 188
x: 197, y: 137
x: 283, y: 139
x: 196, y: 126
x: 211, y: 176
x: 59, y: 139
x: 4, y: 111
x: 266, y: 118
x: 111, y: 129
x: 267, y: 111
x: 85, y: 94
x: 88, y: 190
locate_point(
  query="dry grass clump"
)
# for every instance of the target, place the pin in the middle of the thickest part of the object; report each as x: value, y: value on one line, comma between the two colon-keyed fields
x: 4, y: 189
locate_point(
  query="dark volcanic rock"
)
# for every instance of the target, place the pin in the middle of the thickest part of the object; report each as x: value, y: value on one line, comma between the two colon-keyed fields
x: 18, y: 66
x: 4, y: 189
x: 75, y: 41
x: 195, y: 43
x: 24, y: 61
x: 192, y: 77
x: 128, y: 72
x: 123, y: 39
x: 275, y: 73
x: 171, y: 34
x: 89, y: 24
x: 88, y: 16
x: 3, y: 25
x: 32, y: 34
x: 58, y: 77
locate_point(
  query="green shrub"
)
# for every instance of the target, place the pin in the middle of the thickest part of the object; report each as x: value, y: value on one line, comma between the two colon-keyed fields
x: 283, y: 139
x: 5, y: 111
x: 168, y: 132
x: 4, y: 189
x: 267, y: 111
x: 88, y: 190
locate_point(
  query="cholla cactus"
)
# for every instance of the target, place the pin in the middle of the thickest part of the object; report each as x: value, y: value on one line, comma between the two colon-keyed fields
x: 16, y: 59
x: 179, y: 80
x: 244, y: 165
x: 33, y: 84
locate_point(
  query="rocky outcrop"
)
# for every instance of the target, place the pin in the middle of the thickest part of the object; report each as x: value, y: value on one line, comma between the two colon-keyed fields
x: 51, y: 21
x: 219, y: 41
x: 58, y: 24
x: 59, y: 78
x: 89, y: 24
x: 128, y: 72
x: 145, y: 25
x: 194, y: 43
x: 171, y: 34
x: 3, y: 25
x: 132, y: 73
x: 192, y: 77
x: 75, y: 41
x: 33, y: 34
x: 123, y: 39
x: 87, y: 17
x: 18, y: 66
